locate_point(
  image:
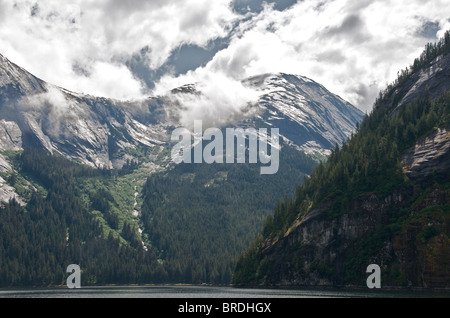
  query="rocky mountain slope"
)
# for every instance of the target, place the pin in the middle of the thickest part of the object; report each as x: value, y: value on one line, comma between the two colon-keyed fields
x: 97, y: 131
x: 88, y: 129
x: 308, y: 115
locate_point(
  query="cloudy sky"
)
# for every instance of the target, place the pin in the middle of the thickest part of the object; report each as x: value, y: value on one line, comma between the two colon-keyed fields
x: 133, y: 48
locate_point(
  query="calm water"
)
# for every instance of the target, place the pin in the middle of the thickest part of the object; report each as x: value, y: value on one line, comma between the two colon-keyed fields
x: 187, y: 292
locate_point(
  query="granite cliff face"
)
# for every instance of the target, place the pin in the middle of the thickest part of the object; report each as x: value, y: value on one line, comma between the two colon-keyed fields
x: 430, y: 155
x: 434, y: 78
x: 319, y: 247
x: 318, y: 252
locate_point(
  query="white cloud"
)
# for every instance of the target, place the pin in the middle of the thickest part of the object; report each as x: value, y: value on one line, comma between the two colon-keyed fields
x: 83, y: 45
x: 111, y: 80
x: 55, y: 104
x: 53, y: 99
x: 218, y: 101
x: 352, y: 47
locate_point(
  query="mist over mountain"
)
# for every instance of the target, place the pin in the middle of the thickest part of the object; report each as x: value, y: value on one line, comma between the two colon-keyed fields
x: 96, y: 131
x: 101, y: 170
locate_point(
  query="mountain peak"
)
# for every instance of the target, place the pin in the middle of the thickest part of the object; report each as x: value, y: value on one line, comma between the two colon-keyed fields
x: 272, y: 78
x: 96, y: 130
x: 12, y: 75
x: 324, y: 119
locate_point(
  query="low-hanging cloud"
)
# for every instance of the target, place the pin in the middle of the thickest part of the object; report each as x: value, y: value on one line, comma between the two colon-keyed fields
x: 54, y: 104
x: 216, y: 100
x: 53, y: 100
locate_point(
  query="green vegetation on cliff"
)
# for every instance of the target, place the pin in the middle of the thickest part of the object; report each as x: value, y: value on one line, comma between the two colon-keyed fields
x: 56, y: 229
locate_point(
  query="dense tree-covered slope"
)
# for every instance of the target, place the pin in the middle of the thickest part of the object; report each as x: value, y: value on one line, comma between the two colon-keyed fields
x: 56, y: 229
x: 383, y: 197
x: 200, y: 217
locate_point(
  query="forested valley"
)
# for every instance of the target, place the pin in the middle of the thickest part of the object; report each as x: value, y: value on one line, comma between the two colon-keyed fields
x: 195, y: 220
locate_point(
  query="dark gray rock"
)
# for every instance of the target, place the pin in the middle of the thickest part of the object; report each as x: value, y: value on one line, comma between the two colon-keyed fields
x: 430, y: 155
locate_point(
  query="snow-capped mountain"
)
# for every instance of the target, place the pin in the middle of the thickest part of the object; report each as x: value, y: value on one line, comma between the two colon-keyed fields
x: 308, y: 115
x: 98, y: 131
